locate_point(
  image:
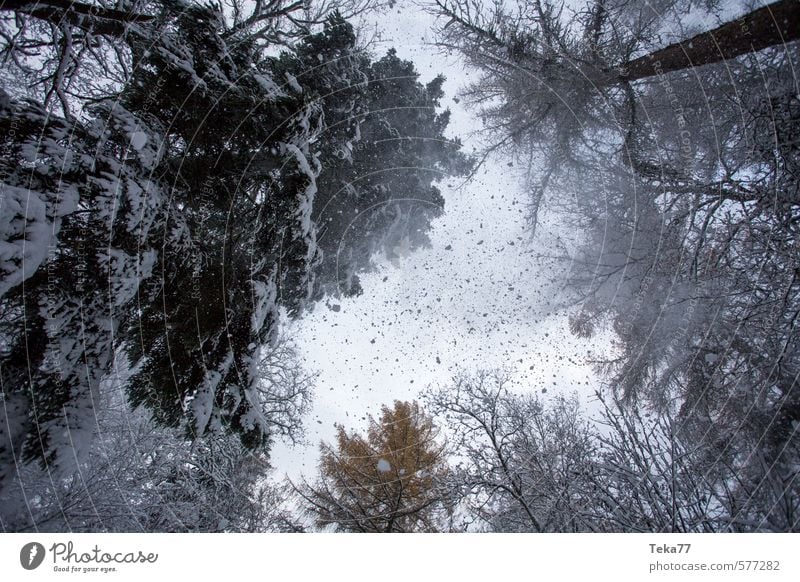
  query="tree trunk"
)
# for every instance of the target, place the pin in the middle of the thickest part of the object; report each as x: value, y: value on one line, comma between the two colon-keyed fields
x: 771, y: 25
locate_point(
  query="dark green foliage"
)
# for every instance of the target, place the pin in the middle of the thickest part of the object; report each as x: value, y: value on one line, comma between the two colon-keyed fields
x: 184, y: 214
x: 383, y: 149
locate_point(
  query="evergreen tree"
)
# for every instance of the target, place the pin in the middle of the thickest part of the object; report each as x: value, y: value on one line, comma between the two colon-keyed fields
x: 383, y: 151
x: 78, y: 207
x: 167, y: 228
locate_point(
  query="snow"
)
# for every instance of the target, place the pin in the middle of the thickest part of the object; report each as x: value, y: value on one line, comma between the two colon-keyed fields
x: 14, y: 407
x: 138, y: 140
x: 125, y: 273
x: 183, y: 63
x: 30, y: 212
x: 292, y: 80
x: 435, y: 302
x: 25, y: 234
x: 265, y: 295
x: 302, y: 161
x: 145, y: 201
x: 346, y: 153
x: 201, y: 401
x: 305, y: 204
x: 120, y: 119
x: 269, y: 85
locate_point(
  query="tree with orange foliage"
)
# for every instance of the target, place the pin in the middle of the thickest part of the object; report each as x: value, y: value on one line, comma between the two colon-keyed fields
x: 392, y: 480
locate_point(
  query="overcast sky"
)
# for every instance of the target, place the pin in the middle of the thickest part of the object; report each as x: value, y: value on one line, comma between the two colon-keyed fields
x: 478, y: 298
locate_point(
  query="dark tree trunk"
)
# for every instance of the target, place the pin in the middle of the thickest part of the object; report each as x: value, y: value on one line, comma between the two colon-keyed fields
x: 771, y: 25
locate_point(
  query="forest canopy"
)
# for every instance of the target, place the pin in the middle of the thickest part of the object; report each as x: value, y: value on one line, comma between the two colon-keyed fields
x: 184, y: 185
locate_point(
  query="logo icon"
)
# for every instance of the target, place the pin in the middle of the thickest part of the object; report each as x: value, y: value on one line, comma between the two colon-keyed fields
x: 31, y: 555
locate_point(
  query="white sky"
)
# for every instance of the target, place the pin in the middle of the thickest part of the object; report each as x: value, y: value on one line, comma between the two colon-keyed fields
x: 482, y: 303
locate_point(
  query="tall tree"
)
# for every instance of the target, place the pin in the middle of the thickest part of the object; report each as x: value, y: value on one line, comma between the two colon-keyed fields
x: 530, y: 464
x: 554, y: 79
x: 539, y: 40
x: 391, y: 480
x: 656, y: 476
x: 679, y: 194
x: 775, y: 24
x: 166, y: 228
x: 384, y: 151
x: 525, y: 465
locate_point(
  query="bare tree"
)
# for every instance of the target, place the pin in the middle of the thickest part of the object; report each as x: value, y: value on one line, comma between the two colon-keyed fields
x: 663, y: 472
x: 657, y: 477
x: 285, y: 390
x: 524, y: 464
